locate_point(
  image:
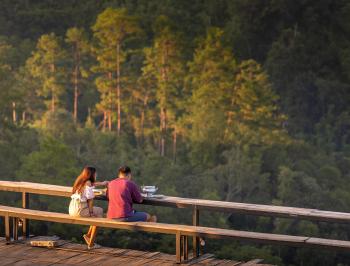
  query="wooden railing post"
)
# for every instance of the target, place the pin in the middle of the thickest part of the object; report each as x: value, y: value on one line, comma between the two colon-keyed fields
x: 178, y: 247
x: 195, y: 219
x: 25, y: 205
x: 184, y: 247
x: 15, y: 228
x: 7, y: 228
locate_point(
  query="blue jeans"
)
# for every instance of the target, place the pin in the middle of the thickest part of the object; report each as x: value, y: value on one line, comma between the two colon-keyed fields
x: 135, y: 217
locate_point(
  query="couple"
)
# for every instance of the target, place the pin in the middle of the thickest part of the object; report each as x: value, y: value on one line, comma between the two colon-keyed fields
x: 121, y: 193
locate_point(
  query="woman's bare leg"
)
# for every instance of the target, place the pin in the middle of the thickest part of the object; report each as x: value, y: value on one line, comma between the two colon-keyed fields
x: 87, y: 236
x: 93, y: 236
x: 89, y: 232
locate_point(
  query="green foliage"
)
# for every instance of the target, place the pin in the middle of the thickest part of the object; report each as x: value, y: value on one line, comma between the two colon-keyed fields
x: 223, y: 100
x: 44, y: 64
x: 297, y: 188
x: 53, y: 163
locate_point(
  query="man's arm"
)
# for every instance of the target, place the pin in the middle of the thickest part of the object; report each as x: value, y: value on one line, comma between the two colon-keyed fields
x: 136, y: 195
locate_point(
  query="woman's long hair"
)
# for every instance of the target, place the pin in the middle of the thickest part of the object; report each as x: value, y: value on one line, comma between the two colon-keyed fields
x: 88, y: 174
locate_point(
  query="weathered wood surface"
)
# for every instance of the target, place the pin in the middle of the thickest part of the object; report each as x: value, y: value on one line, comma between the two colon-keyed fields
x: 36, y: 188
x: 187, y: 230
x: 200, y: 204
x: 69, y: 253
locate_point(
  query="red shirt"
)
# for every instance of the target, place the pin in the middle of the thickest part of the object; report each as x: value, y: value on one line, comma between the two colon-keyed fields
x: 121, y: 194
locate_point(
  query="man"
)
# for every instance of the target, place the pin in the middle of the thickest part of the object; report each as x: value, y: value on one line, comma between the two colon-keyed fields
x: 121, y: 193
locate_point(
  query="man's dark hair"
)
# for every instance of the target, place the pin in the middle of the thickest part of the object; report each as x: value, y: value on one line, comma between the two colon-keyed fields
x: 124, y: 170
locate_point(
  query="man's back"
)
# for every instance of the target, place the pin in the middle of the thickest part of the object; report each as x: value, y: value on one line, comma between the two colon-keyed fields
x: 121, y: 194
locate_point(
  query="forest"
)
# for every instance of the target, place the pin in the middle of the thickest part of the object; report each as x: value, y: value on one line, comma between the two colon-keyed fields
x: 231, y: 100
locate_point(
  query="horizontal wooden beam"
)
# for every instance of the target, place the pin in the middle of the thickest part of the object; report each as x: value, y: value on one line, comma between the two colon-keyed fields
x: 200, y: 204
x: 184, y: 230
x: 36, y: 188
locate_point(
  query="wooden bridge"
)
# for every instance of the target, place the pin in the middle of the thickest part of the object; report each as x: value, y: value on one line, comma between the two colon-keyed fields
x: 182, y: 232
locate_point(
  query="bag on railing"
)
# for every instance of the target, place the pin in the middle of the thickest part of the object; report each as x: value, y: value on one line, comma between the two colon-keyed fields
x: 75, y: 205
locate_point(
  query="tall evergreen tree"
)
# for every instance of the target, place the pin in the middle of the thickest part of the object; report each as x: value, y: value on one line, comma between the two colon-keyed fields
x: 112, y: 28
x: 210, y: 78
x: 164, y: 64
x: 45, y: 64
x: 77, y: 39
x: 253, y: 117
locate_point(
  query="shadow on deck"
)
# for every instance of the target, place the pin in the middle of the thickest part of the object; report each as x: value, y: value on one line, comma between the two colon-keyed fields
x: 69, y: 253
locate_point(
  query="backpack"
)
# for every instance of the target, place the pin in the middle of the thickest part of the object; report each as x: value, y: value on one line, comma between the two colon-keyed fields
x: 75, y: 205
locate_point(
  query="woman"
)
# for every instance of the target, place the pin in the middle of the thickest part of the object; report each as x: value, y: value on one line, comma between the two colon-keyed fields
x: 82, y: 200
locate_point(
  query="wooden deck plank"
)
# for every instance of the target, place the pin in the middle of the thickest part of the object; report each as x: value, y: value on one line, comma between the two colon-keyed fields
x: 252, y: 262
x: 57, y: 255
x: 74, y: 246
x: 199, y: 259
x: 166, y: 257
x: 135, y: 253
x: 144, y: 262
x: 230, y: 263
x: 159, y: 263
x: 116, y: 261
x: 4, y: 247
x: 9, y: 261
x: 133, y: 261
x: 152, y: 255
x: 233, y: 263
x: 76, y: 260
x: 119, y: 251
x: 119, y: 260
x: 17, y: 250
x: 102, y: 260
x: 27, y: 262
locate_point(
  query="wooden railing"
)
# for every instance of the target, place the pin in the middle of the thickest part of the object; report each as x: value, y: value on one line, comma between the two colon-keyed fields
x: 195, y: 204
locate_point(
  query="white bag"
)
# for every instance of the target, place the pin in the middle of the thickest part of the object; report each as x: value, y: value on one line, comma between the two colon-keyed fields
x: 75, y: 205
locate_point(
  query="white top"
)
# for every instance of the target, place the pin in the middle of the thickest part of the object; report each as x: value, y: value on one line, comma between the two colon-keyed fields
x: 88, y: 193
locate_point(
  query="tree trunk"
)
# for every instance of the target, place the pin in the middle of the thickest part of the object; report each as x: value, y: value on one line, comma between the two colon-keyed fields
x: 109, y: 120
x: 110, y: 104
x: 53, y: 101
x: 53, y: 95
x: 163, y: 105
x: 76, y: 74
x: 162, y: 130
x: 174, y: 144
x: 104, y: 121
x: 23, y: 117
x: 145, y: 101
x: 118, y: 90
x: 76, y: 94
x: 14, y: 114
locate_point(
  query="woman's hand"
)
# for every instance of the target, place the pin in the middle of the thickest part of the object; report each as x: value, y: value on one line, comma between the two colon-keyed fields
x: 104, y: 183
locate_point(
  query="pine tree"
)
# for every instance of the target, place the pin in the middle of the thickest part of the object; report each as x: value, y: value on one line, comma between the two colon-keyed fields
x: 7, y: 98
x: 45, y: 64
x: 211, y: 77
x: 253, y: 117
x: 77, y: 39
x: 112, y: 28
x: 165, y: 66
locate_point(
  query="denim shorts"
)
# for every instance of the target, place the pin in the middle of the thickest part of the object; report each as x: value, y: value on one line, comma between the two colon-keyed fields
x: 135, y: 217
